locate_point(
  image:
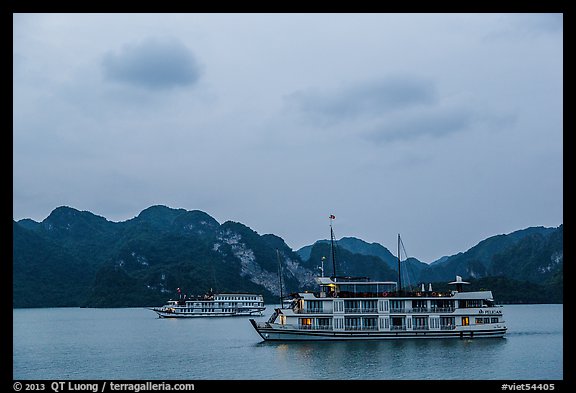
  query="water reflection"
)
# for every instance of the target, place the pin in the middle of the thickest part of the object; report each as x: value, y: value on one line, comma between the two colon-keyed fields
x: 385, y: 359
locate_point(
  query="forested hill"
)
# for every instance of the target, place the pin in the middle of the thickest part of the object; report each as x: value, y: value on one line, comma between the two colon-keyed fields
x: 76, y: 258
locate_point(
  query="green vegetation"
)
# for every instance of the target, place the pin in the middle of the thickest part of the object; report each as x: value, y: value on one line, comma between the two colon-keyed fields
x: 75, y: 258
x: 509, y: 291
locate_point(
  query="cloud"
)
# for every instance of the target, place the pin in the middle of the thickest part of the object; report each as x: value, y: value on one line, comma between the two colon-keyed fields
x: 436, y: 123
x: 365, y: 99
x: 154, y: 64
x: 393, y: 109
x: 526, y: 26
x: 537, y: 23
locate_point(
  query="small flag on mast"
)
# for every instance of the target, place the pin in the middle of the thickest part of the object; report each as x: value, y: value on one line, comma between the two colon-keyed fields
x: 332, y: 217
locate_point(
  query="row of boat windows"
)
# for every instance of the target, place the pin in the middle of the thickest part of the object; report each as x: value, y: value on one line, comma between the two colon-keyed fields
x: 210, y: 309
x: 367, y: 323
x: 396, y: 305
x: 367, y: 288
x: 201, y: 310
x: 372, y: 305
x: 224, y: 304
x: 238, y: 298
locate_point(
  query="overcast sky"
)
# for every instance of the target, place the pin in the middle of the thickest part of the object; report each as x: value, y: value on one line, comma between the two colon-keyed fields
x: 445, y: 128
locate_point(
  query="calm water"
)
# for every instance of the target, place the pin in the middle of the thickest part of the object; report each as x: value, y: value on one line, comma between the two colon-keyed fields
x: 112, y: 344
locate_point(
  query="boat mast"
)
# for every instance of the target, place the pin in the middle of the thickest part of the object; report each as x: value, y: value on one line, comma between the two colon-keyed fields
x: 399, y: 275
x: 280, y: 279
x: 332, y: 246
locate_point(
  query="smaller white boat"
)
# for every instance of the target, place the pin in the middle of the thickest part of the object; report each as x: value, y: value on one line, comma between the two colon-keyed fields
x: 213, y: 305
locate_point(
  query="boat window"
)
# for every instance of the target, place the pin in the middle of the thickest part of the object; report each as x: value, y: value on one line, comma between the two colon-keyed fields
x: 384, y: 323
x: 447, y: 322
x: 369, y: 305
x: 442, y: 303
x: 351, y: 305
x: 352, y: 323
x: 369, y: 323
x: 420, y: 322
x: 324, y: 322
x: 396, y: 304
x: 385, y: 303
x: 306, y: 321
x: 398, y: 323
x: 314, y: 305
x: 338, y: 323
x: 338, y: 306
x: 471, y: 303
x: 419, y: 304
x: 465, y: 321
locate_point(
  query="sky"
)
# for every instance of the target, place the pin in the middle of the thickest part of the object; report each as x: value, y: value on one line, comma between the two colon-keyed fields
x: 443, y: 128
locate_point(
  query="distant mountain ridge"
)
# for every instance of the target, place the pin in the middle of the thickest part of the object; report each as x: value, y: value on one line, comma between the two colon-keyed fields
x: 484, y: 259
x: 477, y: 262
x: 76, y: 258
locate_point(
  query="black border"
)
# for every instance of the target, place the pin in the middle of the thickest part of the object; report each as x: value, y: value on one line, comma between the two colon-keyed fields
x: 432, y: 7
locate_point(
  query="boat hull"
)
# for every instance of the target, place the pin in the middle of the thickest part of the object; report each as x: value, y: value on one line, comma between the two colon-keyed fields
x: 269, y: 332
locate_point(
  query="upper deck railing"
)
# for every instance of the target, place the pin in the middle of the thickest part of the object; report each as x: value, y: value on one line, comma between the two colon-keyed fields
x: 405, y: 294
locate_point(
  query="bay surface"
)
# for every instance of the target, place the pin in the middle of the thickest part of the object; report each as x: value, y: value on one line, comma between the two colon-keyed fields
x: 133, y: 344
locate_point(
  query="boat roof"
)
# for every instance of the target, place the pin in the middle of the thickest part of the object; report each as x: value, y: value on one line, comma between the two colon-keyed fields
x: 474, y: 295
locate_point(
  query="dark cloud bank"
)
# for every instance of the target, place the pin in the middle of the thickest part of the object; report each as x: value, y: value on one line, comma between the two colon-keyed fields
x: 385, y: 109
x: 154, y: 64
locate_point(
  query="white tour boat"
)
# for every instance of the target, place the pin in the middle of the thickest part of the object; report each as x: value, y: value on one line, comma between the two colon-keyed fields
x: 213, y: 305
x: 349, y: 308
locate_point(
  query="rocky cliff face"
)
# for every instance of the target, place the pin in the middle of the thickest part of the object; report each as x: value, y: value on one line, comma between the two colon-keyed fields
x: 76, y: 258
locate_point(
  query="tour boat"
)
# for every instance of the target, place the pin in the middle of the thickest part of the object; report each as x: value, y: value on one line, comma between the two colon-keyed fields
x: 213, y: 305
x: 356, y: 308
